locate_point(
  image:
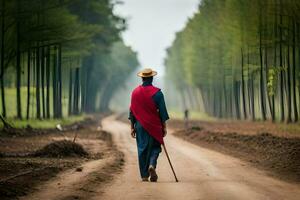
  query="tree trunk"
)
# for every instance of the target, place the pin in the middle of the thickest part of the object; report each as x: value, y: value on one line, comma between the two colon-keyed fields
x: 89, y: 93
x: 48, y: 83
x: 268, y: 92
x: 2, y: 60
x: 213, y: 97
x: 83, y: 84
x: 248, y: 83
x: 289, y: 99
x: 3, y: 96
x: 237, y: 99
x: 281, y: 67
x: 262, y: 95
x: 273, y: 113
x: 225, y: 112
x: 33, y: 63
x: 28, y: 84
x: 76, y: 92
x: 243, y: 87
x: 70, y: 110
x: 230, y: 108
x: 253, y: 116
x: 220, y: 100
x: 37, y: 86
x: 54, y: 82
x: 43, y: 80
x: 18, y: 65
x: 298, y: 33
x: 59, y: 100
x: 294, y: 74
x: 273, y: 110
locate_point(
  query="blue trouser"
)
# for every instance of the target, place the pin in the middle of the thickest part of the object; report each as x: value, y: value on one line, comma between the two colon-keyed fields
x: 148, y: 149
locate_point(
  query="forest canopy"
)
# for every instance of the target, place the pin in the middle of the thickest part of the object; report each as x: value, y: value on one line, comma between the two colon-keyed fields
x: 60, y: 57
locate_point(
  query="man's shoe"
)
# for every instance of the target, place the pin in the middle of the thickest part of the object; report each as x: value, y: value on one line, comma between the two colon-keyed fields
x: 153, y: 175
x: 145, y: 179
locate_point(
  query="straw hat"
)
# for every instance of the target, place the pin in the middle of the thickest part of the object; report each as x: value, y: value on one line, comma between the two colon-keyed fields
x: 147, y: 72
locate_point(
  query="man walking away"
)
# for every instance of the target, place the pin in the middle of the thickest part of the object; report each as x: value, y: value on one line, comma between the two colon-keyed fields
x: 148, y: 116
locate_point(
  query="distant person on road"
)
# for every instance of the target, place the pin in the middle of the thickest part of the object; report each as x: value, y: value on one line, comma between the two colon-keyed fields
x: 148, y: 116
x: 186, y: 118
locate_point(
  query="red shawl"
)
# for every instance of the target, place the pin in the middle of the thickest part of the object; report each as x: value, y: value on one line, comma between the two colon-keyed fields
x: 145, y: 111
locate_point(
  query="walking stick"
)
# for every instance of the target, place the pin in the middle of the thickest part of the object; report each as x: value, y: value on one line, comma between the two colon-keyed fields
x: 170, y: 162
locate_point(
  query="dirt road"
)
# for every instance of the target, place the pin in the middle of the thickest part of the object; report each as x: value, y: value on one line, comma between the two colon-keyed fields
x: 203, y: 174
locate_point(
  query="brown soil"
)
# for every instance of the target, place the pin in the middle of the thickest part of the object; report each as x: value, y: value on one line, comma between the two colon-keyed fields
x: 242, y: 127
x: 276, y: 151
x: 27, y: 159
x: 202, y: 173
x: 62, y: 148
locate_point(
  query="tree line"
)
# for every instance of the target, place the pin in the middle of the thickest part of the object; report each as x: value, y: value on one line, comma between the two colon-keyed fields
x: 240, y: 59
x: 66, y: 54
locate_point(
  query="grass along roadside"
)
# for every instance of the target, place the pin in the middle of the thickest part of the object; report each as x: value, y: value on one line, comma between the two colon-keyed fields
x: 11, y: 101
x: 193, y: 115
x: 44, y: 124
x: 290, y: 129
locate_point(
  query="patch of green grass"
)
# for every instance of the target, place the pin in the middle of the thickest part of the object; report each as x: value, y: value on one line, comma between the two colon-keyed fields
x: 43, y: 124
x: 194, y: 115
x: 290, y: 128
x: 11, y: 108
x: 10, y: 98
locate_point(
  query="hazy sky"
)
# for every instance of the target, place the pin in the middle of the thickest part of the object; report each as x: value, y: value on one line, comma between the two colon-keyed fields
x: 152, y: 25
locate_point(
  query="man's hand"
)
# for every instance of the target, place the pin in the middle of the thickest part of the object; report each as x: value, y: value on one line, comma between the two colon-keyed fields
x: 164, y: 129
x: 164, y: 132
x: 133, y: 133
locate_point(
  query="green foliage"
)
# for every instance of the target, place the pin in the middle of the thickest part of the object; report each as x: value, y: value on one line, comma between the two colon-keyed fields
x: 194, y: 115
x: 44, y: 124
x: 231, y: 50
x: 272, y: 80
x: 72, y: 34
